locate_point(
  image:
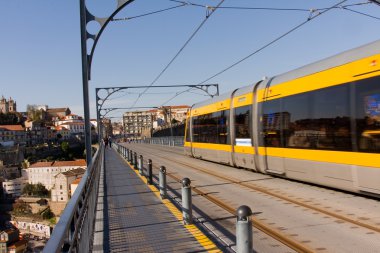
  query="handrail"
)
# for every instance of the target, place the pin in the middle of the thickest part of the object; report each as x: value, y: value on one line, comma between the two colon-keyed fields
x: 75, y: 220
x: 167, y: 141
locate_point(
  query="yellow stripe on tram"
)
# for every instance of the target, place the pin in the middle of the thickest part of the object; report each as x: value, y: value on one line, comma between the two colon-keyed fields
x: 350, y: 158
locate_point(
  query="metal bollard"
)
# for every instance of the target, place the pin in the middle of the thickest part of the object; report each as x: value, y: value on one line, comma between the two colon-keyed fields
x: 150, y: 176
x: 162, y: 182
x: 187, y: 212
x: 130, y: 156
x: 140, y: 165
x: 135, y: 160
x: 244, y: 230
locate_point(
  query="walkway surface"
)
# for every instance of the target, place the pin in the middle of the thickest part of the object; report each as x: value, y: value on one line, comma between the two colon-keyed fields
x: 132, y: 218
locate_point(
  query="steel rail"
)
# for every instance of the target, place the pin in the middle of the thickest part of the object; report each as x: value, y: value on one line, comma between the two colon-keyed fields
x: 277, y: 235
x: 75, y: 227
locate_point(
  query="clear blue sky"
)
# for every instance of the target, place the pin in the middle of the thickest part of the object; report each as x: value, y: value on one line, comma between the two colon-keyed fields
x: 40, y: 59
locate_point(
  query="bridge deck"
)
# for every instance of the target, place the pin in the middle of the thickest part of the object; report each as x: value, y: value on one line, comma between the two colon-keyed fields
x: 132, y: 218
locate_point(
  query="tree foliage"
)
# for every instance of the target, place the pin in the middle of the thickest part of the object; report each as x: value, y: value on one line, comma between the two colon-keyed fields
x: 65, y: 147
x: 35, y: 190
x: 21, y: 207
x: 11, y: 118
x: 47, y: 214
x: 33, y: 113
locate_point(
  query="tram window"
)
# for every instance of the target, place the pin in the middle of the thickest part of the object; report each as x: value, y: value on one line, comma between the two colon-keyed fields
x: 188, y: 139
x: 331, y: 118
x: 272, y: 123
x: 367, y: 115
x: 211, y: 128
x: 243, y: 125
x: 318, y: 119
x: 296, y: 131
x: 223, y: 118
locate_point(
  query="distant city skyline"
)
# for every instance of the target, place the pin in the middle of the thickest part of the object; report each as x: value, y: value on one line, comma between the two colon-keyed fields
x: 41, y: 61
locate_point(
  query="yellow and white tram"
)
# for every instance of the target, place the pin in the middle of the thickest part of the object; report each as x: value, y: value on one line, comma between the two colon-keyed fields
x: 319, y: 123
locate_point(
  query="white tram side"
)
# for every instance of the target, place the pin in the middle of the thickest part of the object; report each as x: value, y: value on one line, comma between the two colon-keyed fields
x: 318, y: 124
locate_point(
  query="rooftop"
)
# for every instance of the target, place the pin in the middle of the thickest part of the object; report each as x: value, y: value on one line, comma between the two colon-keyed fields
x: 77, y: 181
x: 17, y: 244
x: 11, y: 128
x: 74, y: 172
x: 80, y: 162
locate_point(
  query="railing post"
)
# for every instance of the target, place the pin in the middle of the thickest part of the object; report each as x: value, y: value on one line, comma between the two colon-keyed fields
x: 140, y: 165
x: 135, y: 160
x: 244, y: 230
x: 150, y: 176
x: 131, y: 156
x: 187, y: 212
x: 162, y: 182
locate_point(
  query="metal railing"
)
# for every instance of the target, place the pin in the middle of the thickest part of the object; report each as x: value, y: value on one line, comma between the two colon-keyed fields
x: 177, y: 141
x: 74, y: 231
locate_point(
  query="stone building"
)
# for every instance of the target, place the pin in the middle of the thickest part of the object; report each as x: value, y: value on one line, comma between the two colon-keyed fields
x: 7, y: 106
x: 134, y: 122
x: 45, y: 172
x: 14, y: 134
x: 62, y: 191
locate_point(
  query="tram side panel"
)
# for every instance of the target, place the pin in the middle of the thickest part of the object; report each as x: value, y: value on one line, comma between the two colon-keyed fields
x: 241, y: 128
x: 329, y: 135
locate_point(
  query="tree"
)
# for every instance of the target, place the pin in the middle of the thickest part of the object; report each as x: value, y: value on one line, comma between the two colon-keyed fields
x: 65, y: 147
x: 40, y: 190
x: 47, y: 214
x: 25, y: 164
x: 21, y: 206
x: 36, y: 190
x: 28, y: 189
x: 33, y: 113
x: 11, y: 118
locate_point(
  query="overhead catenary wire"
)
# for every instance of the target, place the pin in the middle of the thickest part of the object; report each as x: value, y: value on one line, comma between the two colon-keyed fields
x: 149, y: 13
x: 178, y: 53
x: 262, y: 8
x: 176, y: 95
x: 311, y: 17
x: 361, y: 13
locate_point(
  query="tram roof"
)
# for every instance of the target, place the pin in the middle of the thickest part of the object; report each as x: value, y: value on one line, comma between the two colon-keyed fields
x: 330, y: 62
x: 327, y: 63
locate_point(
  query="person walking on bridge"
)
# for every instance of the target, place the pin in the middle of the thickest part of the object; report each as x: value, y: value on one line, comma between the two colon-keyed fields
x: 110, y: 141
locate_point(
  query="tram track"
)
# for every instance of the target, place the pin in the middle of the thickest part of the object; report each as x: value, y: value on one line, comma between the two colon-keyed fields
x: 268, y: 229
x: 257, y: 188
x: 262, y: 226
x: 295, y: 245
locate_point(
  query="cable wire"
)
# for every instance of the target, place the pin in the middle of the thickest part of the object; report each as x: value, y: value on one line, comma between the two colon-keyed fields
x: 176, y: 95
x: 178, y: 53
x: 361, y: 13
x: 273, y: 41
x: 263, y: 8
x: 149, y: 13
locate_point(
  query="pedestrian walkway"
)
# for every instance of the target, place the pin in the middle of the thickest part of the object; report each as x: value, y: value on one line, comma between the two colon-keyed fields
x: 131, y: 217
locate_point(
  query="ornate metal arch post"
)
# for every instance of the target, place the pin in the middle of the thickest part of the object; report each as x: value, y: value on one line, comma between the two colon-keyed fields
x: 85, y: 18
x: 85, y: 78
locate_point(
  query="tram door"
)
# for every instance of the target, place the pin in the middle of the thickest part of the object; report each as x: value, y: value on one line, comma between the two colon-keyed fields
x: 272, y: 125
